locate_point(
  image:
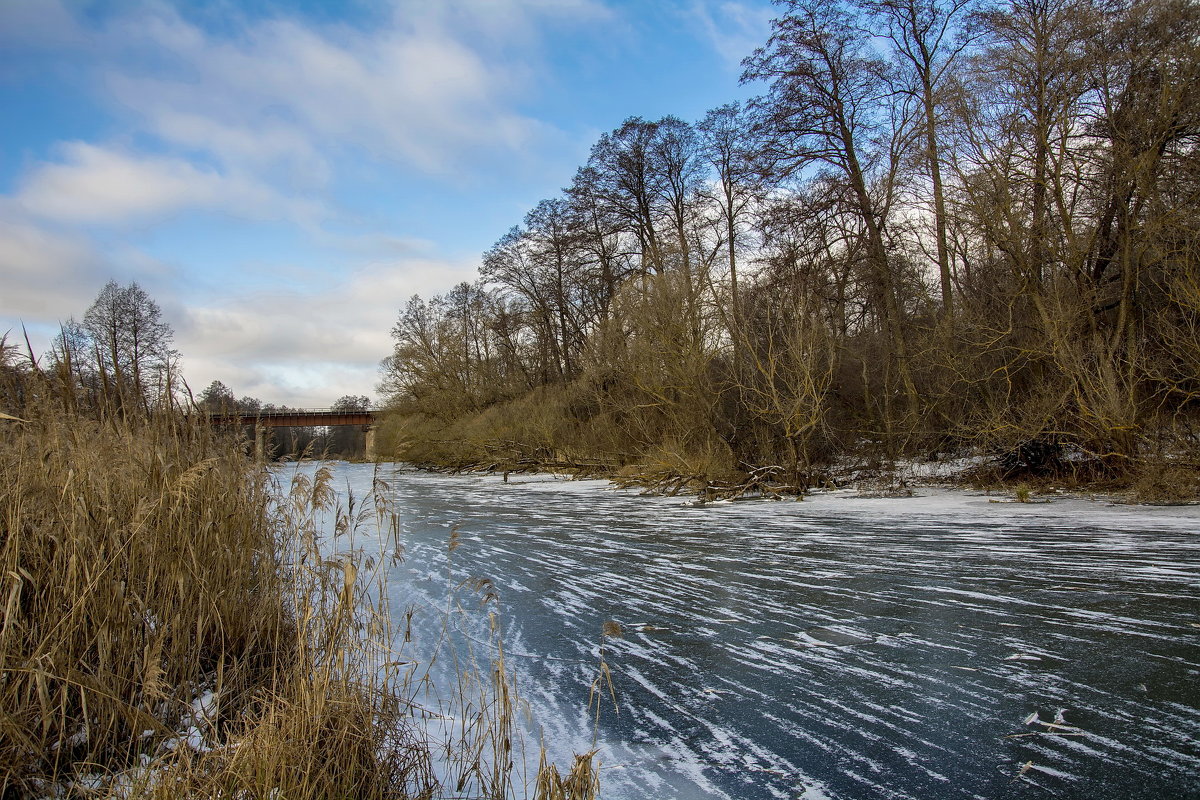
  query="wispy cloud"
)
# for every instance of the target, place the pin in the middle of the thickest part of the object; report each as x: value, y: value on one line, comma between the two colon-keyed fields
x: 414, y: 91
x: 303, y: 121
x: 734, y: 29
x: 258, y: 117
x: 93, y: 185
x: 431, y: 86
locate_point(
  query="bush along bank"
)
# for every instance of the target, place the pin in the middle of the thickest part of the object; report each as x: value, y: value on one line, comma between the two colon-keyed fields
x: 545, y: 431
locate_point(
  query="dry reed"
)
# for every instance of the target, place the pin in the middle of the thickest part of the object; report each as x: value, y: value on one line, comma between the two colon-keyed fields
x: 174, y: 627
x: 138, y: 570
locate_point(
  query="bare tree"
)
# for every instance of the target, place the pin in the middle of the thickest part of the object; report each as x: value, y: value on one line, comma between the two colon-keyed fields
x: 828, y: 106
x: 131, y: 344
x: 621, y: 174
x: 71, y: 361
x: 727, y: 136
x: 600, y: 230
x: 676, y: 163
x: 929, y: 38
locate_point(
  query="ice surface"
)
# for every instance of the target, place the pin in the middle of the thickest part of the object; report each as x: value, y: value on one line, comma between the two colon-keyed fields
x: 835, y: 648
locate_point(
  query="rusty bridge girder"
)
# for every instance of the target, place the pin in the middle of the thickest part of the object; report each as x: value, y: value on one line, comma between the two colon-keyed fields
x: 299, y: 417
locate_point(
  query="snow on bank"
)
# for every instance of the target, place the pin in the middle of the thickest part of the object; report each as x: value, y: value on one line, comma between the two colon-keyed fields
x: 917, y: 497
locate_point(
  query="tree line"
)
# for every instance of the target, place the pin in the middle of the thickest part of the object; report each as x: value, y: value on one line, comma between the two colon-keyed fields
x: 944, y: 226
x: 120, y: 360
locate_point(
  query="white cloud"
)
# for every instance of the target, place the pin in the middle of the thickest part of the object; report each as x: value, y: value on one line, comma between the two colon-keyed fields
x: 252, y: 118
x: 44, y: 272
x: 296, y: 347
x: 415, y: 90
x: 507, y: 23
x: 96, y: 185
x: 48, y: 274
x: 259, y: 345
x: 431, y: 85
x: 236, y: 146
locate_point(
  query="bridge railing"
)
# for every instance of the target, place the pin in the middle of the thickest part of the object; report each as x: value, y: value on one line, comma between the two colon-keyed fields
x: 280, y: 412
x: 304, y: 417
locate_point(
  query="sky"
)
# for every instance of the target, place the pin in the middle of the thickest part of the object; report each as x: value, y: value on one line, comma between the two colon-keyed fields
x: 282, y: 176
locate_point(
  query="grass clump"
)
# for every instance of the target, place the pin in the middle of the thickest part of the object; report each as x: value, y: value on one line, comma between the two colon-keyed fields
x: 1166, y: 484
x: 175, y: 623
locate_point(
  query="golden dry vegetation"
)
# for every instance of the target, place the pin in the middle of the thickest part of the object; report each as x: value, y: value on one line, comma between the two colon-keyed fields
x: 175, y: 624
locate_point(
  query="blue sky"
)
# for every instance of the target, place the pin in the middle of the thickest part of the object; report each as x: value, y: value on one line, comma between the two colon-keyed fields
x: 282, y: 176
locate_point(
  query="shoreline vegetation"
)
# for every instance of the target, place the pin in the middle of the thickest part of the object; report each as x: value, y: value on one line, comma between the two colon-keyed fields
x: 176, y: 624
x: 942, y: 230
x: 1173, y: 485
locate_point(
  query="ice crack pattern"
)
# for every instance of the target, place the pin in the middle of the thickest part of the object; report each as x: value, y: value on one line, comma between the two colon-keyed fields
x: 929, y: 647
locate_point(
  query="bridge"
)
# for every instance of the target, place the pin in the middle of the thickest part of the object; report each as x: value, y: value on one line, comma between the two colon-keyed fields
x: 299, y: 418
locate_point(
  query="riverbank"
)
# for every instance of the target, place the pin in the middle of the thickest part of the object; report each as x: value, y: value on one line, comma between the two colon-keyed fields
x: 1170, y: 484
x: 158, y: 640
x: 522, y: 437
x: 930, y: 497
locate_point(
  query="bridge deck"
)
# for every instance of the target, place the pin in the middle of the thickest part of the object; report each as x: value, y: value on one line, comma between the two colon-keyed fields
x: 298, y: 417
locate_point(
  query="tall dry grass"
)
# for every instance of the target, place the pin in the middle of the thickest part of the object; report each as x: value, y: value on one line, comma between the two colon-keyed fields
x: 137, y: 568
x: 173, y: 626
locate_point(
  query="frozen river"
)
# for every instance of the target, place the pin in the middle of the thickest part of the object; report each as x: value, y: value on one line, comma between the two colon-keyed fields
x: 942, y: 646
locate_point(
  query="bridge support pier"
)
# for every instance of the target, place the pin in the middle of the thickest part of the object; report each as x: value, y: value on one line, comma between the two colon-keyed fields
x: 369, y: 445
x: 260, y: 442
x: 263, y: 421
